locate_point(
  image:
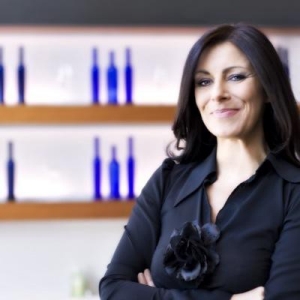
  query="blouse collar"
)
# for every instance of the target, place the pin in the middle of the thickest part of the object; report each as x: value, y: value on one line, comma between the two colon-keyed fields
x: 200, y: 171
x: 285, y: 169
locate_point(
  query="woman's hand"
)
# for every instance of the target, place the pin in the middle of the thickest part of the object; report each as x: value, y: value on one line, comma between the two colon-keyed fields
x: 255, y: 294
x: 146, y: 278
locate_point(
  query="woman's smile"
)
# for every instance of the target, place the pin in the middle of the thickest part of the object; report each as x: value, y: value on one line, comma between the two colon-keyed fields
x: 225, y: 112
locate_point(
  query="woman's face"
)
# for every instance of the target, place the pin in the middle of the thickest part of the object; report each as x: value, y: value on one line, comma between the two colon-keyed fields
x: 228, y: 94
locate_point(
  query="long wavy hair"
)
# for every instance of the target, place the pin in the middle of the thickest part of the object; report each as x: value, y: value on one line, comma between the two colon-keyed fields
x: 281, y: 123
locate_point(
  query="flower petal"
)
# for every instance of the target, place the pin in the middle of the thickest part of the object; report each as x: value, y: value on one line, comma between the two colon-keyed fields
x: 188, y: 229
x: 169, y: 256
x: 190, y: 254
x: 170, y: 270
x: 190, y: 274
x: 210, y: 233
x: 174, y: 241
x: 213, y: 260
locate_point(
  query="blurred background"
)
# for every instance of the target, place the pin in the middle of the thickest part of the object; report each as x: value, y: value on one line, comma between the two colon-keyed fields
x: 57, y: 232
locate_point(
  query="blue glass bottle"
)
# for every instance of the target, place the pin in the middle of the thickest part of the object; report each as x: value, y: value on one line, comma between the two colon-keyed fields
x: 114, y: 175
x: 21, y: 77
x: 112, y: 80
x: 130, y: 169
x: 1, y: 77
x: 97, y: 170
x: 95, y: 77
x: 128, y: 77
x: 10, y: 173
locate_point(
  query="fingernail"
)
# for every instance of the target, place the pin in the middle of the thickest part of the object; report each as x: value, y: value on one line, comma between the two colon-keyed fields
x: 151, y: 283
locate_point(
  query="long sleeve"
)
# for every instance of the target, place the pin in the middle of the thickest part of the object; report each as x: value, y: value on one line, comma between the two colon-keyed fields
x: 284, y: 279
x: 135, y: 250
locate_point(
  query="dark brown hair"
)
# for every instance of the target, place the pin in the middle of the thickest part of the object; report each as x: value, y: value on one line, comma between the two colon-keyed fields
x: 280, y: 120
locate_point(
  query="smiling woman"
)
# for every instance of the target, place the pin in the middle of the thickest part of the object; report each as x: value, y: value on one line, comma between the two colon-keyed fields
x: 228, y: 94
x: 221, y: 219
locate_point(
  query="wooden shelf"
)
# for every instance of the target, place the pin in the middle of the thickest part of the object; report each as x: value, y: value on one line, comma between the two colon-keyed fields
x: 93, y: 114
x: 80, y: 115
x: 65, y: 210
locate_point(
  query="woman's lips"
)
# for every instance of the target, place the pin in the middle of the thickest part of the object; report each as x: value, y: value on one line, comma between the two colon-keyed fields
x: 225, y: 112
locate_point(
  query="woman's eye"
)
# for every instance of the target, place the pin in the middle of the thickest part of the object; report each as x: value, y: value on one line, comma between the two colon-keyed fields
x: 237, y: 77
x: 203, y: 82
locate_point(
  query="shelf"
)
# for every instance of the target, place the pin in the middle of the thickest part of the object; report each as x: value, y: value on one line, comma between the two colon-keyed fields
x: 93, y: 114
x: 80, y: 115
x: 64, y: 210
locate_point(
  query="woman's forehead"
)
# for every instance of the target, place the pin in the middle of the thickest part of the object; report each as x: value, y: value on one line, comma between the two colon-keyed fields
x: 222, y: 56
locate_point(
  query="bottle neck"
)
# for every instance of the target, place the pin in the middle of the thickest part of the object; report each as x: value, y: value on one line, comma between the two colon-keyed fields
x: 111, y: 58
x: 114, y: 153
x: 128, y: 56
x: 96, y: 146
x: 10, y: 150
x: 21, y: 56
x: 95, y: 56
x: 130, y: 146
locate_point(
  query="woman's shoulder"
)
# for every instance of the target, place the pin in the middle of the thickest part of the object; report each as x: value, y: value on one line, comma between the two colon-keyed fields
x: 287, y: 170
x: 170, y: 171
x: 173, y: 168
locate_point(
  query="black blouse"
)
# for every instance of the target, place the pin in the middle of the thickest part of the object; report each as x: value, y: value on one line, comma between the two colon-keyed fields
x: 259, y: 243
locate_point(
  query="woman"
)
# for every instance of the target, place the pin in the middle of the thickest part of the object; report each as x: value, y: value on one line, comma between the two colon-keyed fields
x: 222, y: 219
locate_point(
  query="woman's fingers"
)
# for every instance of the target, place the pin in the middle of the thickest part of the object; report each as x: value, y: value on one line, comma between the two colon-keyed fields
x: 258, y: 293
x: 255, y: 294
x: 145, y: 278
x: 141, y: 278
x: 261, y: 291
x: 148, y: 277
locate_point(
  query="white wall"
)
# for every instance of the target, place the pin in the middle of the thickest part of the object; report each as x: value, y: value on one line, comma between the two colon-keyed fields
x: 54, y: 163
x: 37, y: 259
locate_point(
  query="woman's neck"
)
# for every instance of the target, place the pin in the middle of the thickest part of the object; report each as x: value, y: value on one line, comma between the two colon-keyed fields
x: 238, y: 159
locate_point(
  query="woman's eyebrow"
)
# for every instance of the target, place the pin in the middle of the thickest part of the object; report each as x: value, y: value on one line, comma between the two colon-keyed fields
x: 224, y: 71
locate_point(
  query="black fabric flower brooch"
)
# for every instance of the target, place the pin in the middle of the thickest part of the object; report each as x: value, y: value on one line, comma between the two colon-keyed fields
x: 191, y: 253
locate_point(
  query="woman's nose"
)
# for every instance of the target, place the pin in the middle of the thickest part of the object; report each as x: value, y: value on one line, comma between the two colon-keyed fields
x: 219, y: 91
